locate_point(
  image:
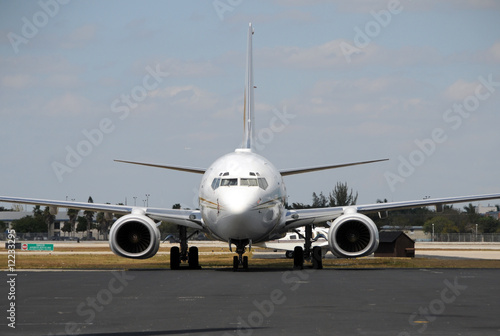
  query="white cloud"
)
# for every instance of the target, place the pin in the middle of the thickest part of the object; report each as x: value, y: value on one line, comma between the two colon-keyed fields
x: 68, y: 104
x: 492, y: 54
x: 186, y: 68
x: 79, y: 37
x: 189, y: 97
x: 460, y: 89
x: 20, y: 81
x: 331, y: 55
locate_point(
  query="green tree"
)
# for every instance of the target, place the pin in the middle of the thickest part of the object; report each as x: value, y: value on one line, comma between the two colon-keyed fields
x: 72, y: 214
x: 488, y: 224
x: 472, y: 215
x: 300, y: 206
x: 89, y: 215
x: 319, y: 201
x: 341, y: 196
x: 441, y: 225
x: 49, y: 221
x: 103, y: 224
x: 3, y: 226
x: 67, y: 227
x: 81, y: 224
x: 29, y: 224
x: 35, y: 223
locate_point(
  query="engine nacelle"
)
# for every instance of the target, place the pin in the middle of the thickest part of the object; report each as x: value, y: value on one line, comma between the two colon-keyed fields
x: 134, y: 236
x: 353, y: 235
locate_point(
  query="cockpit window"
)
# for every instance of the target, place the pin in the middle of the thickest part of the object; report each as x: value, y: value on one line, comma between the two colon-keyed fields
x: 215, y: 183
x: 244, y: 181
x: 262, y: 183
x: 227, y: 182
x: 251, y: 182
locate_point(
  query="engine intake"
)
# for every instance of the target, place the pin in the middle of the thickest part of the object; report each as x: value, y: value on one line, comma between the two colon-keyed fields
x: 134, y: 236
x: 353, y: 235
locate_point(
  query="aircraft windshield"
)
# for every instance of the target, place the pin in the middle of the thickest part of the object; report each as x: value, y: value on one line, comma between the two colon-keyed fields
x: 251, y: 182
x: 229, y: 182
x: 244, y: 182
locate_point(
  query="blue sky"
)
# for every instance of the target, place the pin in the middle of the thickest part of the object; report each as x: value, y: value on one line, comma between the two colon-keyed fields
x: 418, y: 84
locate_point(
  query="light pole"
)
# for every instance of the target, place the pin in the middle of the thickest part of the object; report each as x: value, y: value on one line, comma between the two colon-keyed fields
x: 476, y: 232
x: 147, y: 199
x: 135, y: 200
x: 432, y: 231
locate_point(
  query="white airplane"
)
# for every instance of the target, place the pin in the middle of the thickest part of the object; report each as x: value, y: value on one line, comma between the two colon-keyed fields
x: 242, y: 201
x: 297, y: 237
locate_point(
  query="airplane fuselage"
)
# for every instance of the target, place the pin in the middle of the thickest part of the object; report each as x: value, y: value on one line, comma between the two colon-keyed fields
x: 242, y: 197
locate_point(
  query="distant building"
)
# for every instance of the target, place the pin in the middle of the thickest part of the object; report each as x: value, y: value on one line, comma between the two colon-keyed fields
x: 484, y: 209
x: 494, y: 214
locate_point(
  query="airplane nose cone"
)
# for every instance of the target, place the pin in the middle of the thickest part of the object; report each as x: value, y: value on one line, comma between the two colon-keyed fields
x: 237, y: 202
x: 239, y: 218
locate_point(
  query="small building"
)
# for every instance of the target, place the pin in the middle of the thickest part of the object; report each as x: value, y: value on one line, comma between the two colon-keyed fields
x: 395, y: 244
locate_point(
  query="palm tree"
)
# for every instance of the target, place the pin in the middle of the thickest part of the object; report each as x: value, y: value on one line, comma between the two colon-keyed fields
x: 103, y: 223
x: 89, y: 215
x: 72, y: 214
x: 49, y: 220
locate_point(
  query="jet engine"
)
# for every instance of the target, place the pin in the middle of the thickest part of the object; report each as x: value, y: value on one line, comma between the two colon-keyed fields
x: 353, y: 235
x: 134, y: 236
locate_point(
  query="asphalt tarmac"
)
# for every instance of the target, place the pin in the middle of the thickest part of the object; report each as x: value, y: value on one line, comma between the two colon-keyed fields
x: 395, y: 302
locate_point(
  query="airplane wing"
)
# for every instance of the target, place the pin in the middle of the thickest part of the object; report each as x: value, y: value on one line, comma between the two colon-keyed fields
x: 180, y: 168
x: 189, y: 218
x: 301, y: 217
x: 286, y: 172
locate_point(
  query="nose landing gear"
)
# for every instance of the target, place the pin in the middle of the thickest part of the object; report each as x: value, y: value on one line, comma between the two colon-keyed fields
x: 240, y: 249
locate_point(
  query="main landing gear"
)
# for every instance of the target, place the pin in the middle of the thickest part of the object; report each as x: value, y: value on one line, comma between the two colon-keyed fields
x: 314, y: 255
x: 183, y: 254
x: 240, y: 260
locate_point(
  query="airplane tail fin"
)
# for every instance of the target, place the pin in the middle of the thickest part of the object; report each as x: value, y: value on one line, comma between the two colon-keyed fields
x: 248, y: 100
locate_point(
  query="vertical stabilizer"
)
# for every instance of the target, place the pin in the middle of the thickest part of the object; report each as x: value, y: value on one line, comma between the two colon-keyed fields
x: 248, y: 100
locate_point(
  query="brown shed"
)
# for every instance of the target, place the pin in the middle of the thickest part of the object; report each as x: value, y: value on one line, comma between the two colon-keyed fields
x: 395, y: 244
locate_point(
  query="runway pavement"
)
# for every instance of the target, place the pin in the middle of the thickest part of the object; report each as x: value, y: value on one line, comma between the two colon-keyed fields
x: 398, y: 302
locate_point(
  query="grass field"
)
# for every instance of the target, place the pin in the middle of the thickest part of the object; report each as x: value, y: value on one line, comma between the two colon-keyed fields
x: 89, y: 260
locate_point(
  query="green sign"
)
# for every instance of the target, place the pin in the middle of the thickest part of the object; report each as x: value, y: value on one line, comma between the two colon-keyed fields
x: 38, y: 247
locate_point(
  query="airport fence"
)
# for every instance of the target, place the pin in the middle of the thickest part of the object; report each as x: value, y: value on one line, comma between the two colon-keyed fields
x: 467, y: 237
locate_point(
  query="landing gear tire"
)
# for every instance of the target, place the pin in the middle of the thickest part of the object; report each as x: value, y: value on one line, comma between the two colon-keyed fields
x: 298, y: 258
x: 175, y: 258
x: 289, y: 254
x: 317, y: 258
x: 245, y: 262
x: 193, y: 258
x: 236, y: 263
